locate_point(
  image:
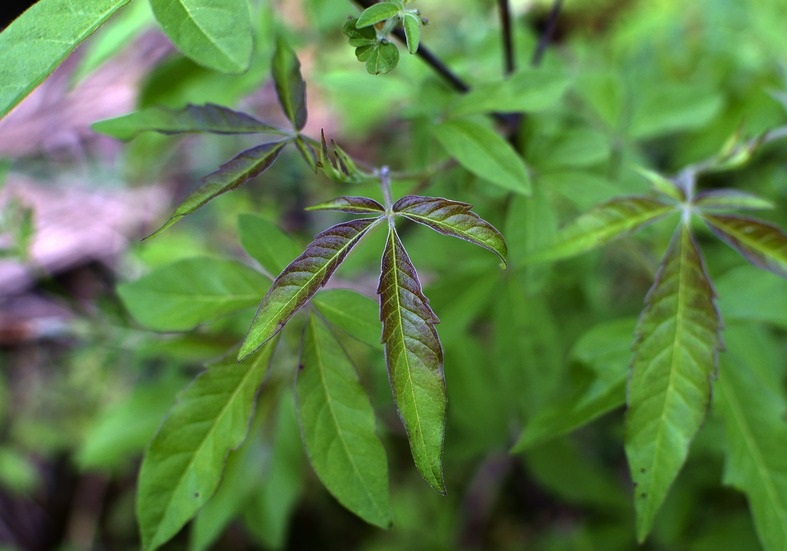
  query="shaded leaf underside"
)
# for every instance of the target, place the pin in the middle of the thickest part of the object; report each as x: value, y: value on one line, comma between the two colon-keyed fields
x: 454, y: 219
x: 302, y: 279
x: 675, y: 356
x: 192, y: 118
x: 229, y: 176
x: 415, y: 359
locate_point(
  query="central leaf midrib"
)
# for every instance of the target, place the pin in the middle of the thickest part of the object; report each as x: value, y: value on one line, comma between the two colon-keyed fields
x: 204, y: 33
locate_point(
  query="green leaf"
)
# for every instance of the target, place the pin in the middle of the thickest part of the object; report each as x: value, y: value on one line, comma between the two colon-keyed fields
x: 35, y: 43
x: 675, y: 356
x: 762, y: 244
x: 302, y: 278
x: 452, y: 218
x: 415, y: 359
x: 266, y: 243
x: 338, y: 427
x: 338, y: 165
x: 307, y: 152
x: 183, y: 465
x: 354, y: 313
x: 663, y: 185
x: 359, y: 205
x: 597, y: 388
x: 181, y: 295
x: 192, y: 118
x: 214, y: 33
x: 527, y: 90
x: 231, y: 175
x: 365, y: 36
x: 381, y: 57
x: 412, y: 31
x: 268, y: 514
x: 668, y: 108
x: 752, y: 404
x: 747, y: 296
x: 485, y: 153
x: 720, y: 200
x: 602, y: 224
x: 290, y: 87
x: 376, y: 13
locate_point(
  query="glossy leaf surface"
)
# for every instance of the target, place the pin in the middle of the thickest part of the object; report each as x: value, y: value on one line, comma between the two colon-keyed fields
x: 37, y: 42
x: 602, y: 224
x: 376, y: 13
x: 185, y: 460
x: 214, y: 33
x: 290, y: 87
x: 192, y: 118
x: 338, y: 427
x: 415, y: 359
x: 301, y: 279
x: 485, y: 153
x: 356, y: 205
x: 452, y: 218
x: 752, y: 402
x: 181, y: 295
x: 675, y: 356
x: 229, y: 176
x: 762, y: 244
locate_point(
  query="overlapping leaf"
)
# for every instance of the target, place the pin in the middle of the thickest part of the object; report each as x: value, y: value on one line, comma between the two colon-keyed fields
x: 762, y: 244
x: 602, y: 224
x: 229, y: 176
x: 452, y: 218
x: 302, y: 278
x: 192, y: 118
x: 181, y: 295
x: 415, y: 359
x: 377, y: 13
x: 184, y: 462
x: 266, y: 243
x: 355, y: 314
x: 290, y: 87
x: 752, y: 405
x: 338, y: 426
x: 37, y: 42
x: 355, y: 205
x: 214, y: 33
x: 485, y: 153
x: 675, y: 354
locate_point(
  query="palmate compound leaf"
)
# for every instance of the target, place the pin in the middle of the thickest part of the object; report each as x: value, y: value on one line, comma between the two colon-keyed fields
x: 192, y: 118
x: 415, y: 359
x: 231, y: 175
x: 290, y: 87
x: 183, y: 465
x: 675, y: 357
x: 302, y: 279
x: 338, y: 427
x: 762, y: 244
x: 354, y: 205
x: 752, y: 404
x: 602, y: 224
x: 452, y: 218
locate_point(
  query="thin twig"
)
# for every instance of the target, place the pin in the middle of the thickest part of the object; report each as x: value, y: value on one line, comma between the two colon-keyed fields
x: 509, y: 63
x: 546, y: 36
x: 427, y: 56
